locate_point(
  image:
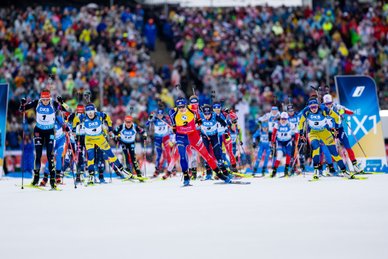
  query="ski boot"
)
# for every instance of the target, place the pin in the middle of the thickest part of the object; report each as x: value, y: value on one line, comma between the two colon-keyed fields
x: 254, y: 171
x: 91, y: 178
x: 78, y: 178
x: 58, y: 180
x: 225, y: 171
x: 357, y: 168
x: 156, y: 173
x: 174, y: 171
x: 166, y: 175
x: 221, y: 176
x: 320, y: 170
x: 193, y: 173
x: 186, y: 178
x: 347, y: 174
x: 332, y: 171
x: 286, y: 171
x: 233, y: 168
x: 302, y: 168
x: 274, y: 171
x: 229, y: 178
x: 120, y: 175
x: 120, y: 172
x: 101, y: 178
x: 208, y: 177
x: 59, y: 177
x: 316, y: 174
x: 44, y: 180
x: 138, y: 174
x: 35, y: 179
x: 52, y: 184
x: 292, y: 173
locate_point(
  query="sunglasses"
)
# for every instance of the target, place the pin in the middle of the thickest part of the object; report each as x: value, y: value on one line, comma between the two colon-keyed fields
x: 283, y: 119
x: 329, y: 103
x: 313, y: 106
x: 181, y: 107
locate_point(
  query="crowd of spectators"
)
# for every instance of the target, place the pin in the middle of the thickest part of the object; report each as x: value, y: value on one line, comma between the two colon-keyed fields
x: 267, y: 53
x: 83, y: 49
x: 261, y: 53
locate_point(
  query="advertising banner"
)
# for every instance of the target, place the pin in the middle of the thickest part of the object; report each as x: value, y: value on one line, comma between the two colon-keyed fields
x: 364, y: 128
x: 3, y: 122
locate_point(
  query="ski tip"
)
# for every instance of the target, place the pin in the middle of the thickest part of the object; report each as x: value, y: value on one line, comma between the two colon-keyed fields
x: 55, y: 189
x: 355, y: 178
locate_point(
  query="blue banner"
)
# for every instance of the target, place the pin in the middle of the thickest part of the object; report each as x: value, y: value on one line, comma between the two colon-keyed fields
x: 364, y: 128
x: 3, y: 120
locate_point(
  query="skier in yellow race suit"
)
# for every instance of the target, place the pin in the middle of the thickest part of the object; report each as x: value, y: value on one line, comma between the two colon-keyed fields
x: 315, y: 117
x: 93, y: 123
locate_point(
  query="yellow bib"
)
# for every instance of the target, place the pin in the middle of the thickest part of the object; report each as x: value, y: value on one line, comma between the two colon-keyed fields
x: 184, y: 118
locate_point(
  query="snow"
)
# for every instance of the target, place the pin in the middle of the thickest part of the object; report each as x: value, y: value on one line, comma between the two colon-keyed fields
x: 271, y: 218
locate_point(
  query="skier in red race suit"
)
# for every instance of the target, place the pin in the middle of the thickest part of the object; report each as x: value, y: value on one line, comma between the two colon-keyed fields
x: 184, y: 122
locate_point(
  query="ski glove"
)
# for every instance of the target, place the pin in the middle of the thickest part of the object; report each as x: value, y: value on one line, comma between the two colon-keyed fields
x: 22, y: 103
x: 60, y: 99
x: 334, y: 132
x: 151, y: 117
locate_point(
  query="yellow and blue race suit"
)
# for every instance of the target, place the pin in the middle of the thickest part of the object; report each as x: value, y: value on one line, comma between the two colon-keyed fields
x: 94, y: 136
x: 317, y: 129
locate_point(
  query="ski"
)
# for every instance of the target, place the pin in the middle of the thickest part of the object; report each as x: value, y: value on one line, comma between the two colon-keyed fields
x: 32, y: 187
x: 315, y: 180
x: 157, y: 179
x: 55, y: 189
x: 89, y: 184
x: 234, y: 182
x: 242, y: 175
x: 355, y: 178
x: 101, y: 183
x: 133, y: 177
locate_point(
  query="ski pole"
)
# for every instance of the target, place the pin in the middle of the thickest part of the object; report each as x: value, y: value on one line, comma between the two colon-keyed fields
x: 68, y: 140
x: 145, y: 158
x: 297, y: 156
x: 24, y: 120
x: 110, y: 171
x: 246, y: 156
x: 358, y: 143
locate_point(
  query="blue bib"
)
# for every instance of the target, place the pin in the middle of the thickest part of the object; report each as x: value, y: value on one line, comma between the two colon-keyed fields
x: 209, y: 127
x: 45, y: 116
x: 128, y: 135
